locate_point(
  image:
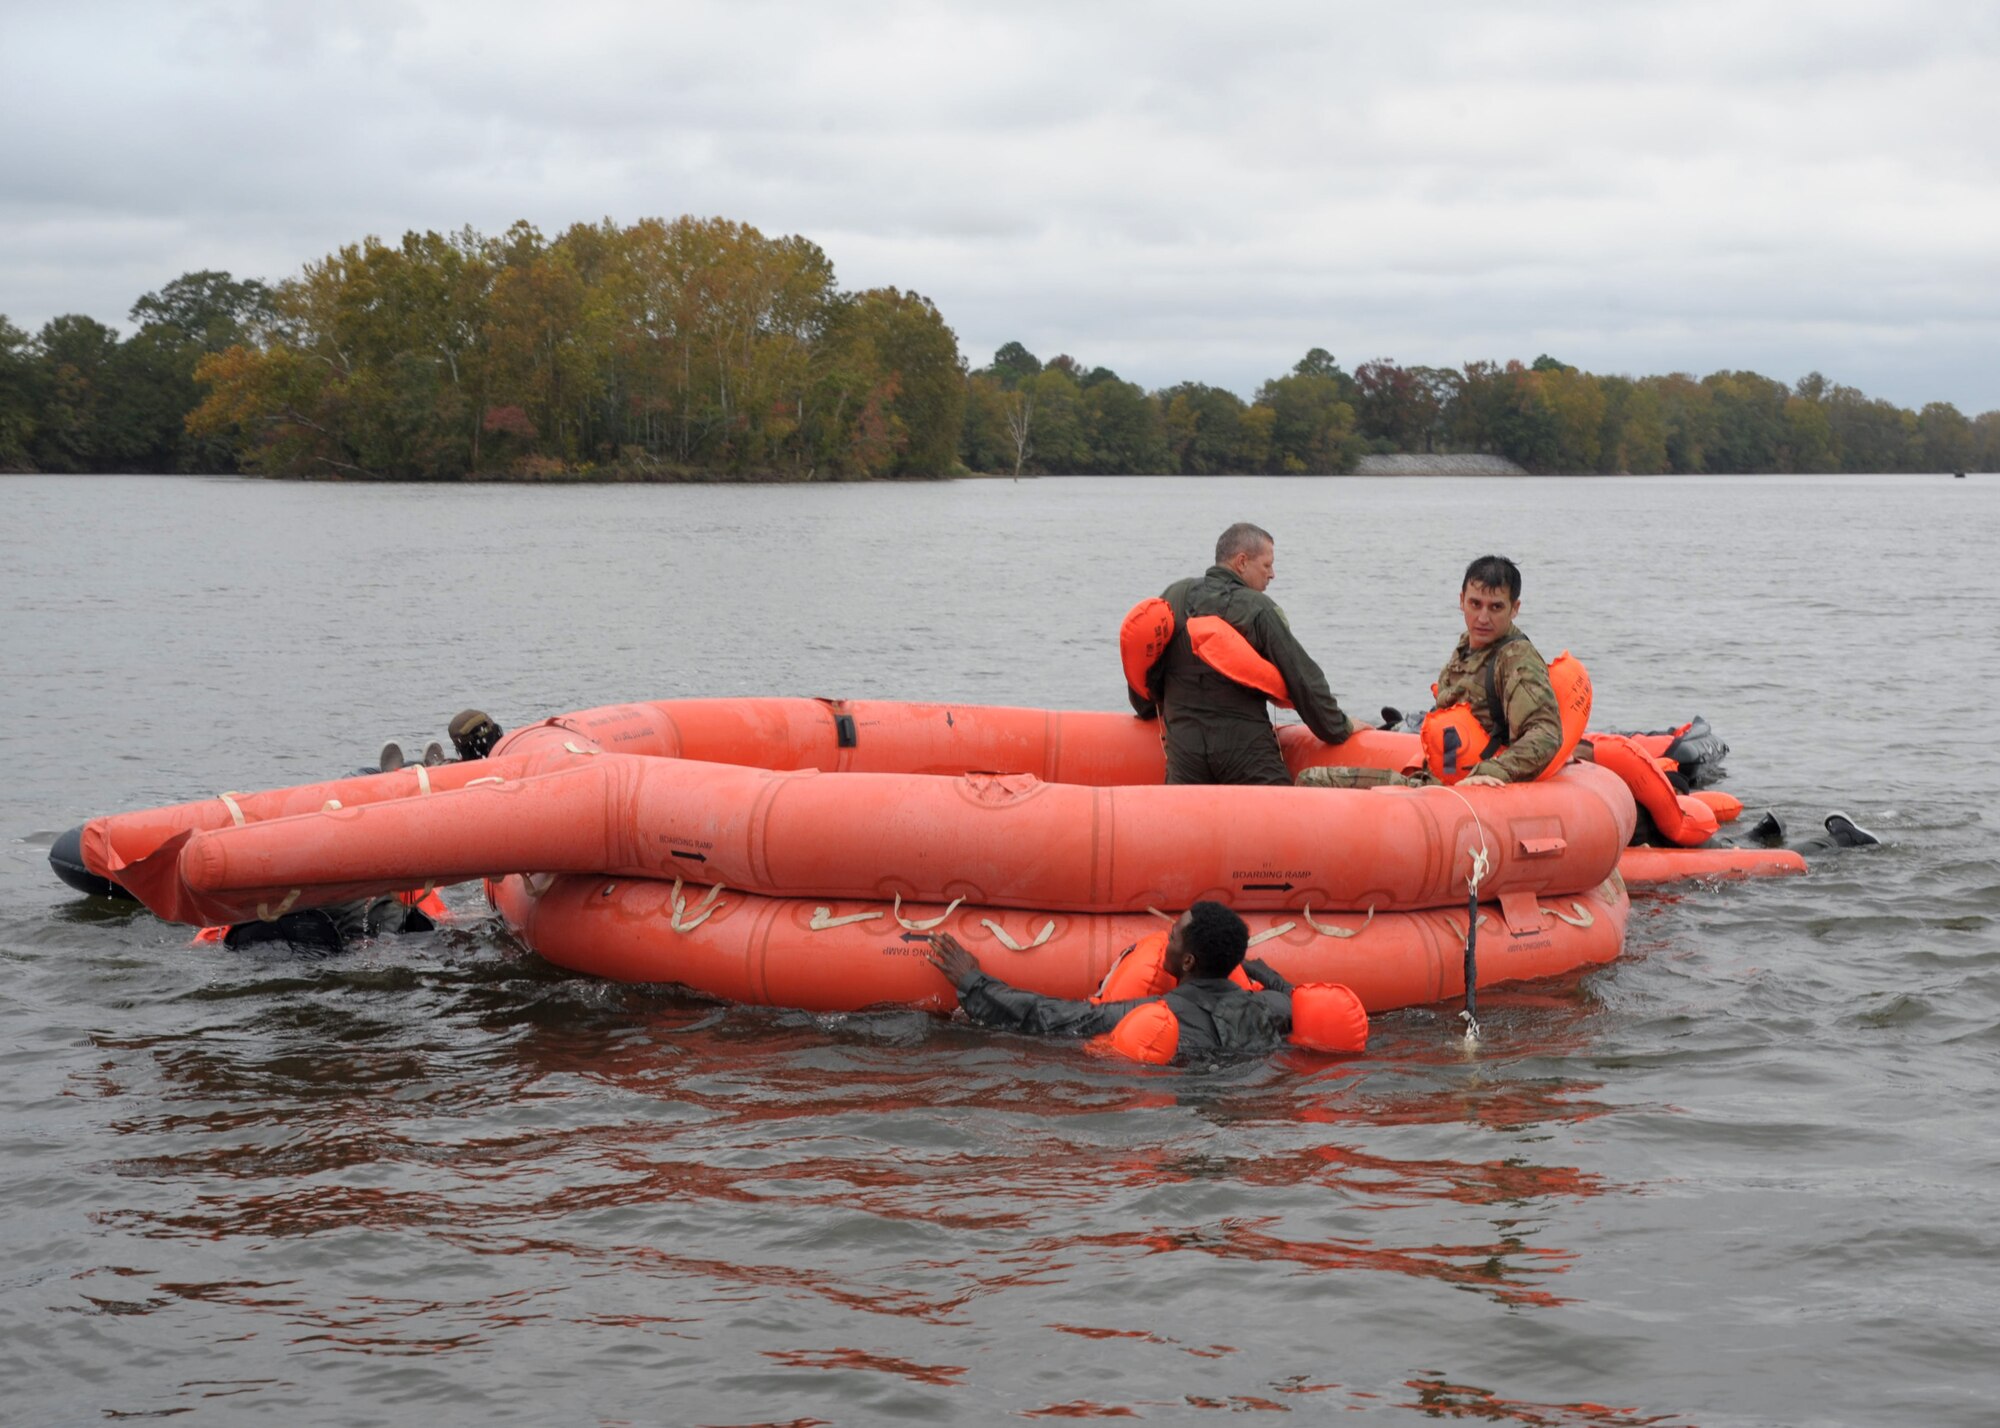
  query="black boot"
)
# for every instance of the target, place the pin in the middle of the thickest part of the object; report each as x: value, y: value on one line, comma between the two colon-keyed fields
x: 1846, y: 833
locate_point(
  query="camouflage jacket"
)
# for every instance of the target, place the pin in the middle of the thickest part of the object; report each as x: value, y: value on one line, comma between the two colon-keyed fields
x: 1527, y: 720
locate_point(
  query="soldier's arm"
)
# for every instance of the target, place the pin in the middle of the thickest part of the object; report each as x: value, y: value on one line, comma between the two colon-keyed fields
x: 1322, y: 713
x: 991, y: 1002
x: 1534, y: 723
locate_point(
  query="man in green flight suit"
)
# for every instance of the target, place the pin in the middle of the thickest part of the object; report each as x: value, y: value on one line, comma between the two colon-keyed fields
x: 1498, y: 674
x: 1217, y: 729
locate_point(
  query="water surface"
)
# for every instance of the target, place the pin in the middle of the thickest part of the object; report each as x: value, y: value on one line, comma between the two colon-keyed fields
x: 1745, y: 1175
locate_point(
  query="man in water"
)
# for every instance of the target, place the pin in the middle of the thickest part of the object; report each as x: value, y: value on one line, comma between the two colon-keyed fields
x: 473, y: 735
x: 1495, y: 672
x: 1217, y: 729
x: 1214, y: 1014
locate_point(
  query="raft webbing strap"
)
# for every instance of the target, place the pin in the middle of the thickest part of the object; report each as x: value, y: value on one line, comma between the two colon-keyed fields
x: 1327, y: 929
x: 1000, y: 933
x: 1583, y: 917
x: 925, y: 924
x: 423, y: 780
x: 823, y: 918
x: 265, y: 912
x: 234, y: 812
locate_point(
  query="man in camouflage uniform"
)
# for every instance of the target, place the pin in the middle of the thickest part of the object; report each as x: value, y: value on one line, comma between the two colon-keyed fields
x: 1496, y: 671
x: 1219, y: 731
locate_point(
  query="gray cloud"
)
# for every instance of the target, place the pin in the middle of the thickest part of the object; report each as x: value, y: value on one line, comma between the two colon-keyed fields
x: 1176, y: 191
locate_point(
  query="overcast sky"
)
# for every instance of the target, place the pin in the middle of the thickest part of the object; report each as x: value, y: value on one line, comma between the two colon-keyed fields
x: 1176, y: 191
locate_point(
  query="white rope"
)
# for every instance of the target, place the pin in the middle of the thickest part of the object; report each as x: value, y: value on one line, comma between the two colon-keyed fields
x: 1326, y: 929
x: 575, y: 750
x: 1481, y: 865
x: 1583, y: 917
x: 1268, y: 933
x: 234, y: 811
x: 490, y: 778
x: 1048, y: 931
x: 423, y: 780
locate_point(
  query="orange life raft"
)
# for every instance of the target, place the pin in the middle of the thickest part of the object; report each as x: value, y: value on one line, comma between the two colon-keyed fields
x: 796, y: 851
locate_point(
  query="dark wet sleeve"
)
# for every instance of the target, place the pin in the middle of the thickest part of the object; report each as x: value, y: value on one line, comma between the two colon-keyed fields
x: 1310, y: 696
x: 1279, y: 1005
x: 991, y: 1002
x: 1534, y: 723
x: 1262, y: 973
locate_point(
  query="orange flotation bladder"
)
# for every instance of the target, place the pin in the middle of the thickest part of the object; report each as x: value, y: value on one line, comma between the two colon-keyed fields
x: 1682, y: 818
x: 1149, y: 626
x: 1455, y: 742
x: 1142, y: 639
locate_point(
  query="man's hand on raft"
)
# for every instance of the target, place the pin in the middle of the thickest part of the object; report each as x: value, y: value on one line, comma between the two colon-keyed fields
x: 958, y: 965
x: 1481, y: 781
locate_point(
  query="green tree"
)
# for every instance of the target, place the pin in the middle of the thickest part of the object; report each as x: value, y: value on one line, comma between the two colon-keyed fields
x: 1122, y: 427
x: 20, y: 398
x: 1312, y: 428
x: 913, y: 343
x: 73, y: 430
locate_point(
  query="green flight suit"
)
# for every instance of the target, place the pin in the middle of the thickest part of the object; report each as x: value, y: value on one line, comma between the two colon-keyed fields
x: 1219, y: 731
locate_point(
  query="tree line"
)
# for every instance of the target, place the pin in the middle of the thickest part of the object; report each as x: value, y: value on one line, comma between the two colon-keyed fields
x: 701, y: 349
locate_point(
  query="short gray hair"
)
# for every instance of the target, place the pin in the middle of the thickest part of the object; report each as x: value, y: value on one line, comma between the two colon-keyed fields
x: 1241, y: 539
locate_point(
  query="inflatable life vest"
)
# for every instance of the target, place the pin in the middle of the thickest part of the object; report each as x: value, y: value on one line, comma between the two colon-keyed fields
x: 1325, y: 1015
x: 1455, y: 742
x: 1685, y: 820
x: 1149, y: 626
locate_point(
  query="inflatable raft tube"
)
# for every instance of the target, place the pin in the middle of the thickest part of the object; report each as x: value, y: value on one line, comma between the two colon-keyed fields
x: 994, y: 840
x: 842, y: 955
x: 1657, y: 867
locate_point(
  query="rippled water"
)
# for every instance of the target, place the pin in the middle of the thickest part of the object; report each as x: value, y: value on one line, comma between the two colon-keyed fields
x: 1745, y: 1175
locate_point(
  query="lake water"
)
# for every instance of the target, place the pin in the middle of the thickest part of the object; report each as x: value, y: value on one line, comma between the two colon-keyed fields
x: 1749, y: 1174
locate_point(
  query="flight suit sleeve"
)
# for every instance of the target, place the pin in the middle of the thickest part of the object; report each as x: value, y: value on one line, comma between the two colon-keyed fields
x: 991, y: 1002
x: 1534, y: 722
x: 1315, y: 703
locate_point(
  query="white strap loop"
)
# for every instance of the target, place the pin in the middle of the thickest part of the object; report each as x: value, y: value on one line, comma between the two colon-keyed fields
x: 234, y: 812
x: 1268, y: 933
x: 911, y: 924
x: 1583, y: 918
x: 681, y: 921
x: 1327, y: 929
x: 823, y: 918
x: 267, y: 913
x: 1000, y: 933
